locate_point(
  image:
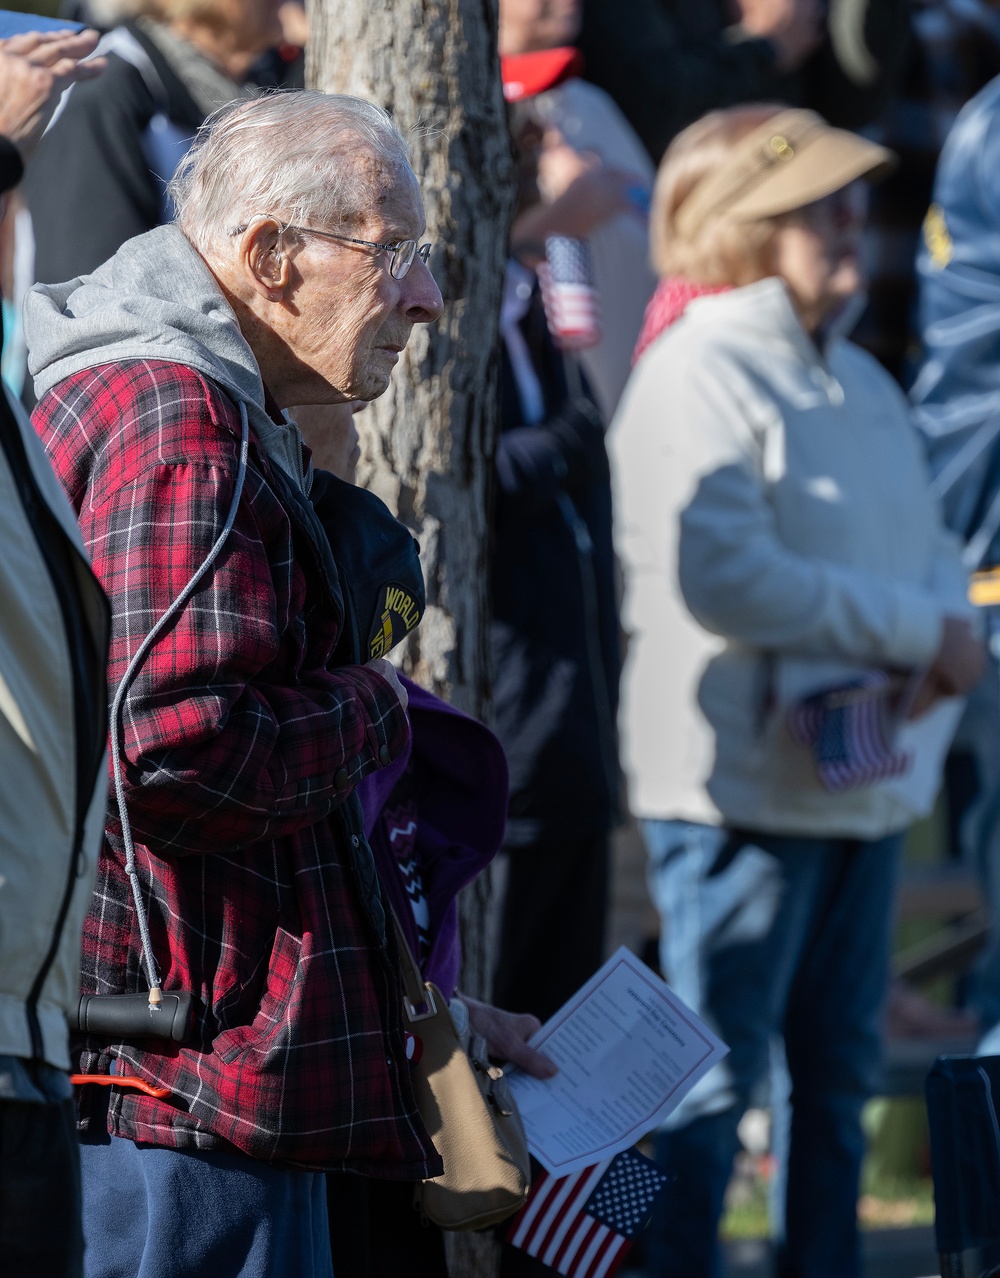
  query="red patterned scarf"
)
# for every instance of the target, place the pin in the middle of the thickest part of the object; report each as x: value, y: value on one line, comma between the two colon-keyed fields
x: 667, y: 305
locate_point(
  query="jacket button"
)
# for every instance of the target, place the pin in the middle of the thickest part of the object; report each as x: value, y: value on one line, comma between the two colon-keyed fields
x: 383, y: 756
x: 341, y: 780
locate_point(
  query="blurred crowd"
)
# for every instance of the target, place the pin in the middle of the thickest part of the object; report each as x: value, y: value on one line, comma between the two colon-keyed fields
x: 744, y: 595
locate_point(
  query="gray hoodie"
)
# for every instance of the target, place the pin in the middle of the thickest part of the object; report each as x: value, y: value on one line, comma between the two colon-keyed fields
x: 157, y: 300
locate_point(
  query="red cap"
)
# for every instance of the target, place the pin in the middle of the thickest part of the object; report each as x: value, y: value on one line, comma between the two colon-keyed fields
x: 526, y: 74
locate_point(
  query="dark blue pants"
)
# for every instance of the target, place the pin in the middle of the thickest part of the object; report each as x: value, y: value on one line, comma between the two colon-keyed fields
x: 39, y: 1191
x: 165, y: 1213
x: 793, y: 939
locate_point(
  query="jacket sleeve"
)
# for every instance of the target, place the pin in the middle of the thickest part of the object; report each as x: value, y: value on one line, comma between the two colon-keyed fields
x: 957, y: 392
x: 566, y: 452
x: 741, y: 581
x: 89, y: 185
x: 234, y: 730
x: 222, y: 743
x: 948, y: 576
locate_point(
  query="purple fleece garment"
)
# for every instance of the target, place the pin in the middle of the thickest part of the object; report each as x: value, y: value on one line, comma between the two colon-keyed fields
x: 454, y: 772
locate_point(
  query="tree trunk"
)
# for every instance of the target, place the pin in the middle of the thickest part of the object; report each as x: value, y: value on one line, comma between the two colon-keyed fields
x: 428, y: 443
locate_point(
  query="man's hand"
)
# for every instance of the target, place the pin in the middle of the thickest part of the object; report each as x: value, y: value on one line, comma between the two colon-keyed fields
x: 794, y: 27
x: 389, y: 673
x: 35, y: 69
x: 507, y: 1034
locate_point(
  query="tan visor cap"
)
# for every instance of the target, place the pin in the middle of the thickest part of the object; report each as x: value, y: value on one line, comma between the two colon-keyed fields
x: 793, y: 159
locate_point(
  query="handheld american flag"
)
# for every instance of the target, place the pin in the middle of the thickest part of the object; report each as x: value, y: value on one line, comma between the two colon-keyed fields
x: 850, y: 732
x: 583, y: 1225
x: 572, y: 305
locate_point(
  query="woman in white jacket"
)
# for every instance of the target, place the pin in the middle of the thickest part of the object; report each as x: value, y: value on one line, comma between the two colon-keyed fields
x: 780, y: 543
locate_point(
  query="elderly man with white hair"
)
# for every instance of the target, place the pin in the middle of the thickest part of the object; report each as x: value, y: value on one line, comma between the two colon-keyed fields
x: 234, y: 868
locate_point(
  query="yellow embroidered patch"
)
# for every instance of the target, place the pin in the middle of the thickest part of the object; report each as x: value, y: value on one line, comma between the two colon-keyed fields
x: 936, y: 237
x: 400, y: 613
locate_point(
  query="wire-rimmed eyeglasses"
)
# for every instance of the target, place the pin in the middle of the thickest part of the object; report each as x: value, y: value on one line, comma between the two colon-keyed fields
x: 401, y: 254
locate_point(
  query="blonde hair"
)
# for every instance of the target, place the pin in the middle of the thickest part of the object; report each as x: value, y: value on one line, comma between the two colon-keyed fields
x: 721, y: 250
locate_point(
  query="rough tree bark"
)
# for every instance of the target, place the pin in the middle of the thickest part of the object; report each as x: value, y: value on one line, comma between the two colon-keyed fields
x: 428, y: 444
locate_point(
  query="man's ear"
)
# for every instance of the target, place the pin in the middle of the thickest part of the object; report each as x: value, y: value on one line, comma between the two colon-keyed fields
x: 263, y: 259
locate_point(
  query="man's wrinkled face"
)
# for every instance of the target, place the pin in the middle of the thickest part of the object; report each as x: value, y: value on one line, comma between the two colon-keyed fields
x: 352, y: 318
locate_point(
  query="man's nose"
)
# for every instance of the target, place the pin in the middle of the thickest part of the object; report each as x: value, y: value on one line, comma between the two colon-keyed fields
x: 422, y: 301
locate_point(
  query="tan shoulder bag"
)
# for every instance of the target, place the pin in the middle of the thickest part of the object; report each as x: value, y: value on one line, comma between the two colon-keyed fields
x: 467, y: 1107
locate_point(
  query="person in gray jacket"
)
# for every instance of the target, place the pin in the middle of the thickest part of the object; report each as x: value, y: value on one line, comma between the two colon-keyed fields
x: 791, y: 600
x: 53, y: 653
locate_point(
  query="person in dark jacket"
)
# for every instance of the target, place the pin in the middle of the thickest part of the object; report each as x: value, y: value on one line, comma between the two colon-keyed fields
x: 117, y: 150
x: 554, y: 633
x: 53, y: 648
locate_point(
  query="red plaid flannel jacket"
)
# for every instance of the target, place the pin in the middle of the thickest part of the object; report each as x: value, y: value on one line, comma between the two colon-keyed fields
x: 242, y: 751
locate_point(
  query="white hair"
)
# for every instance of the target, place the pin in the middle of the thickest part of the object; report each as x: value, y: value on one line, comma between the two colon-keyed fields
x: 308, y: 158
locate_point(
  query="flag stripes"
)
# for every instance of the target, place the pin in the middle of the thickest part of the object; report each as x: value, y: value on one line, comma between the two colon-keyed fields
x: 850, y: 732
x: 582, y: 1225
x: 572, y: 305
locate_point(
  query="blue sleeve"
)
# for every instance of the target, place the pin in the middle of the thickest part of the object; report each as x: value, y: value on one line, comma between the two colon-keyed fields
x: 956, y: 395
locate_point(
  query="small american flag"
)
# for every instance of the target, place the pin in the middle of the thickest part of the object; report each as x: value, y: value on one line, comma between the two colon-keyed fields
x: 583, y: 1225
x: 572, y: 305
x: 850, y: 730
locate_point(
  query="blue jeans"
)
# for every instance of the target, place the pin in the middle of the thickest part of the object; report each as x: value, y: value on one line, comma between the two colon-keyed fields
x: 167, y: 1213
x: 770, y: 935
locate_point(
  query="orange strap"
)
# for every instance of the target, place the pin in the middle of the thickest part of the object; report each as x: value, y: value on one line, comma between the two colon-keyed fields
x: 120, y: 1080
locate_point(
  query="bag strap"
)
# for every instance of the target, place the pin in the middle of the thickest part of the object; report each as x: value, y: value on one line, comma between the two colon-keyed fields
x: 413, y: 981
